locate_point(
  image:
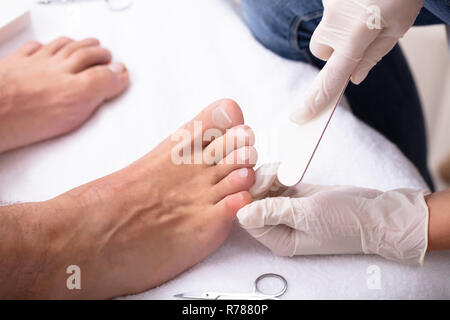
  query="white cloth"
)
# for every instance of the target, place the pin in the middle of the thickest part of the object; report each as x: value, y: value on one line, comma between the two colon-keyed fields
x: 181, y: 57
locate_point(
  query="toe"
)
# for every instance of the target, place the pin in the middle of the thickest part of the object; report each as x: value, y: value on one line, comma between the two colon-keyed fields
x: 106, y: 81
x: 235, y: 138
x: 245, y: 157
x: 237, y: 181
x: 188, y: 142
x: 29, y: 48
x: 88, y: 57
x: 213, y: 121
x: 230, y: 205
x: 56, y: 45
x: 74, y: 46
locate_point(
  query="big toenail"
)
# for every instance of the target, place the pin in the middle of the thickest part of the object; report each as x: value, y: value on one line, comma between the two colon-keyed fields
x: 117, y: 67
x: 243, y: 173
x: 221, y: 119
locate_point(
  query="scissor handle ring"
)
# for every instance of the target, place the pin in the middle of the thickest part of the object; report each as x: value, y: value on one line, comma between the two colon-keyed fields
x: 271, y: 275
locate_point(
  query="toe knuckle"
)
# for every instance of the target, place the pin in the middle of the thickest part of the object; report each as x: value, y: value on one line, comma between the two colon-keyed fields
x: 88, y: 80
x: 80, y: 55
x: 94, y: 76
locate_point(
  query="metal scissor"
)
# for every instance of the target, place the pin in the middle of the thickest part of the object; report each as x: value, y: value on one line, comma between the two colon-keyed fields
x: 257, y: 293
x: 113, y: 5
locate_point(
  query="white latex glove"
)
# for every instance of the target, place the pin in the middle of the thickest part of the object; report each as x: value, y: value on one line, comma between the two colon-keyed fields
x: 352, y: 37
x: 317, y: 220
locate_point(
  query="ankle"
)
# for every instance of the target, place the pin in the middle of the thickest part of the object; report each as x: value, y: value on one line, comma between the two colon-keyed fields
x: 33, y: 261
x: 67, y: 239
x: 89, y: 218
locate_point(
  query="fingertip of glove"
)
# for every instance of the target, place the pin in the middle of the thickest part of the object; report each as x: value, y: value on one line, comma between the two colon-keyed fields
x: 301, y: 115
x: 242, y: 215
x: 248, y: 217
x: 359, y: 76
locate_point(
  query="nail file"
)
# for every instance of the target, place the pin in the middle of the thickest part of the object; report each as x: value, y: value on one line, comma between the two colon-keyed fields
x: 14, y: 17
x: 300, y: 142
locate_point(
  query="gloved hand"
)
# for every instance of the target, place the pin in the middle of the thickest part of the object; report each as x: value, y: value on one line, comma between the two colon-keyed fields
x: 352, y: 37
x: 317, y: 220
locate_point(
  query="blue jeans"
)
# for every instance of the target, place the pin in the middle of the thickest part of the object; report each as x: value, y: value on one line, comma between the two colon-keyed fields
x: 387, y: 100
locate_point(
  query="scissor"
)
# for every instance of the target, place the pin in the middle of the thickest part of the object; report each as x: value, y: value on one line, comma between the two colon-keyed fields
x: 114, y: 5
x: 257, y: 293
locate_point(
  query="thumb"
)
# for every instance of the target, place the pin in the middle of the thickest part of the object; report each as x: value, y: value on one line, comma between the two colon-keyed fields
x: 327, y: 87
x: 281, y: 239
x: 270, y: 222
x: 273, y: 212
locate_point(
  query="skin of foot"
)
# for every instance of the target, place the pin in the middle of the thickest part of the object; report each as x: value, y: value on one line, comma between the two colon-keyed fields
x: 49, y: 90
x: 144, y: 225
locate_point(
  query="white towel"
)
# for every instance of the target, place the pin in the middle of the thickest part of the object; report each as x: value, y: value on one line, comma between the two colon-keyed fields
x: 182, y: 55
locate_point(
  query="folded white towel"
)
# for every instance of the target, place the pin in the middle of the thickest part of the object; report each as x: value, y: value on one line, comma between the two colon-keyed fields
x: 181, y: 56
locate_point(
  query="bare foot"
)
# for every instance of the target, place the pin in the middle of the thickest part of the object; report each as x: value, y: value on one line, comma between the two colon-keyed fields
x: 46, y: 91
x: 140, y: 227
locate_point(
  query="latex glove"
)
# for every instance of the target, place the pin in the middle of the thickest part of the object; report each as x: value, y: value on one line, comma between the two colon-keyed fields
x: 353, y: 36
x: 317, y: 220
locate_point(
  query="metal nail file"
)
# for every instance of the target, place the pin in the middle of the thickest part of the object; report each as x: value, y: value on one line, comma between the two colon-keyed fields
x: 300, y: 143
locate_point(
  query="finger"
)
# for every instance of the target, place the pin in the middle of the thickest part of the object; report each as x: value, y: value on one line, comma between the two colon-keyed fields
x: 376, y: 51
x: 265, y: 180
x: 281, y: 240
x: 273, y: 212
x: 319, y: 47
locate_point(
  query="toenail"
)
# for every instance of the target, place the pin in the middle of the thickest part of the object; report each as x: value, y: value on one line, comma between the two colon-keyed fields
x: 245, y: 135
x: 244, y: 155
x: 243, y: 173
x: 117, y: 67
x: 221, y: 118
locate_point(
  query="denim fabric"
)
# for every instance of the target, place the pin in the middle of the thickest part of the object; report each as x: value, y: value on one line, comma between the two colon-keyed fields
x: 387, y: 100
x: 440, y: 9
x: 426, y: 18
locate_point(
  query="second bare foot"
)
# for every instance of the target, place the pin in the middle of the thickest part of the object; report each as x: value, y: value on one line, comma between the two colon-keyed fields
x: 49, y: 90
